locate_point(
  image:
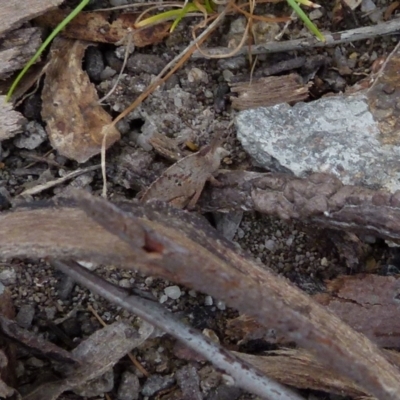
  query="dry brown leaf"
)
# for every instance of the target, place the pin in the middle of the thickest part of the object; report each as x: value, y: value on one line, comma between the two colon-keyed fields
x: 11, y: 121
x: 73, y: 117
x: 97, y: 354
x: 98, y: 27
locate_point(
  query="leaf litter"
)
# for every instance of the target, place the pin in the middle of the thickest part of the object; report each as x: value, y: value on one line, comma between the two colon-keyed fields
x: 74, y: 119
x: 195, y: 174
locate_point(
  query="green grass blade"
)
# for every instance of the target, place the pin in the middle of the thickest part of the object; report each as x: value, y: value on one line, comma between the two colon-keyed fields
x: 48, y: 40
x: 307, y: 22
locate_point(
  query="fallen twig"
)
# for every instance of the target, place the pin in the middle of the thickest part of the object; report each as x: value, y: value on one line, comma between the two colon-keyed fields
x: 352, y: 35
x: 40, y: 187
x: 320, y: 198
x: 244, y: 374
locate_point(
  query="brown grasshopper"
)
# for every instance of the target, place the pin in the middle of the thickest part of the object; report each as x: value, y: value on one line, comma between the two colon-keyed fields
x: 182, y: 183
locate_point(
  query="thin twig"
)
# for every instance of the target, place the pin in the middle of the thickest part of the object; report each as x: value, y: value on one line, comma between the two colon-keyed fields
x: 352, y: 35
x: 39, y: 188
x: 244, y: 374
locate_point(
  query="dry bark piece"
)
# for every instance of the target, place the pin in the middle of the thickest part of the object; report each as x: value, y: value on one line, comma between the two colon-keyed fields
x: 97, y: 354
x: 100, y: 27
x: 74, y: 118
x: 37, y: 345
x: 298, y: 368
x: 367, y: 303
x: 320, y: 199
x: 8, y: 352
x: 11, y: 121
x: 181, y: 184
x: 17, y: 48
x: 13, y: 15
x: 269, y: 91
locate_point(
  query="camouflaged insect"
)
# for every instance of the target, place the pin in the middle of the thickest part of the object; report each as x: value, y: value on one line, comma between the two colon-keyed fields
x: 182, y: 183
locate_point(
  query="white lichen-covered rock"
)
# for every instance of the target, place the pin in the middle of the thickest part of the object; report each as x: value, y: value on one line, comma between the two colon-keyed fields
x: 337, y: 135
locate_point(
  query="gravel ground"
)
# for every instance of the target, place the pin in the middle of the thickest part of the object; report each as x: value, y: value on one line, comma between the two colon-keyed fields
x: 192, y: 107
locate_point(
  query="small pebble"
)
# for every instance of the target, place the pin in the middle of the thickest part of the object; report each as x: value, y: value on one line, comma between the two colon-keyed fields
x: 129, y: 387
x: 270, y: 245
x: 25, y: 316
x: 173, y: 292
x: 8, y: 276
x: 208, y: 301
x: 324, y: 262
x: 155, y: 383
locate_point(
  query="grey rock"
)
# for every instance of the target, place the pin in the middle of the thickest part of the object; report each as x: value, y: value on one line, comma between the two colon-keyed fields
x: 149, y: 63
x: 8, y: 276
x: 336, y: 135
x: 64, y: 287
x: 155, y: 383
x: 94, y: 63
x: 129, y: 387
x: 228, y: 223
x: 33, y: 136
x: 188, y: 380
x: 224, y: 392
x: 25, y: 316
x: 98, y: 386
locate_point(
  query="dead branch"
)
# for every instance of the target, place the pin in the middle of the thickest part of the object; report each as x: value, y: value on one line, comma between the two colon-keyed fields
x: 244, y: 374
x: 183, y: 248
x: 335, y: 38
x: 321, y: 199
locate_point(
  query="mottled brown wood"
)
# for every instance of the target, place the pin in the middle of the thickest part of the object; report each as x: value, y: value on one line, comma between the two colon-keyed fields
x: 265, y: 92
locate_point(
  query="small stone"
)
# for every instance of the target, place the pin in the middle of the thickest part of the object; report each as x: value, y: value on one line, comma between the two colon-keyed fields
x: 270, y: 245
x: 208, y: 301
x: 129, y: 387
x: 107, y: 73
x: 289, y: 242
x: 221, y: 305
x: 324, y: 262
x: 315, y: 14
x: 35, y: 362
x: 33, y: 136
x: 197, y: 75
x: 188, y: 380
x: 8, y: 276
x: 192, y: 293
x: 98, y: 386
x: 173, y: 292
x: 149, y: 63
x: 163, y: 298
x: 240, y: 233
x: 155, y: 383
x: 25, y: 316
x: 94, y: 63
x: 124, y: 283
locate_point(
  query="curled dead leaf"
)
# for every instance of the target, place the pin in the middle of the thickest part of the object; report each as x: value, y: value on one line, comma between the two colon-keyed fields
x: 98, y: 27
x: 73, y: 116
